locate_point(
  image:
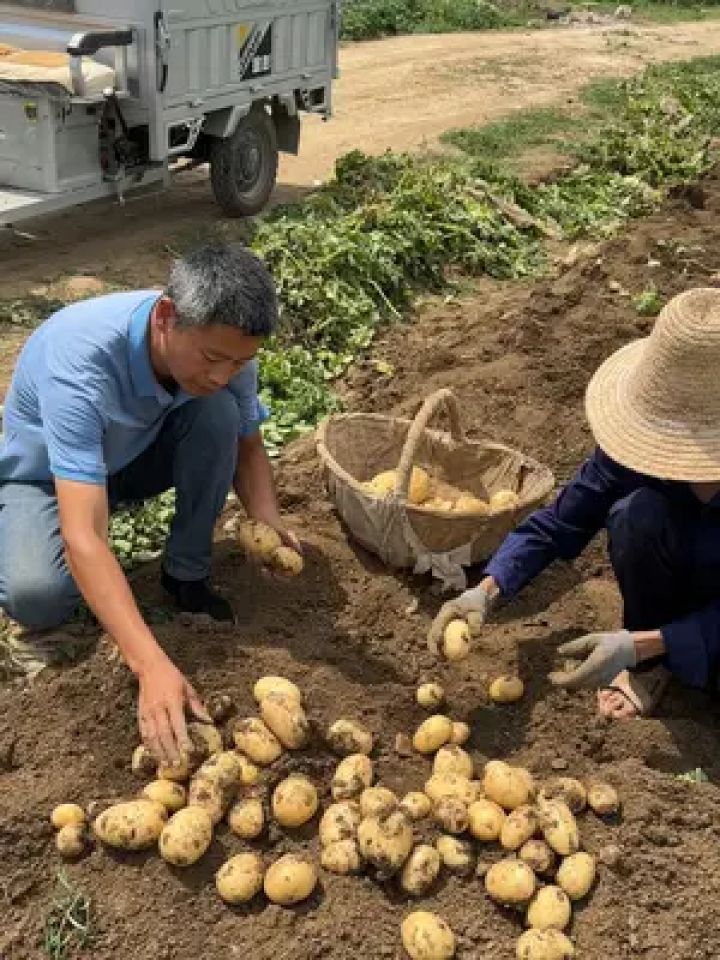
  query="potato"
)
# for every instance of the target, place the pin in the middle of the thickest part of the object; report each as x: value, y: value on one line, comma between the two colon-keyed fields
x: 170, y: 794
x: 452, y: 759
x: 179, y: 771
x: 294, y: 801
x: 287, y: 560
x: 457, y: 855
x: 223, y: 768
x: 567, y: 789
x: 270, y: 684
x: 452, y: 785
x: 377, y: 802
x: 510, y: 882
x: 504, y: 500
x: 559, y: 827
x: 432, y: 733
x: 430, y: 695
x: 186, y: 836
x: 456, y: 640
x: 602, y: 798
x: 143, y: 763
x: 485, y: 820
x: 519, y: 826
x: 246, y: 818
x: 341, y: 857
x: 416, y: 805
x: 220, y: 707
x: 384, y: 483
x: 346, y: 737
x: 253, y: 738
x: 469, y: 503
x: 290, y: 880
x: 340, y: 822
x: 211, y: 796
x: 451, y: 814
x: 131, y: 825
x: 70, y: 840
x: 66, y: 814
x: 549, y: 909
x: 421, y: 870
x: 286, y: 719
x: 249, y: 773
x: 544, y: 945
x: 426, y: 936
x: 511, y: 787
x: 506, y: 689
x: 577, y: 875
x: 257, y: 538
x: 353, y: 775
x: 460, y: 733
x: 240, y: 878
x: 386, y: 842
x: 538, y: 856
x: 208, y: 734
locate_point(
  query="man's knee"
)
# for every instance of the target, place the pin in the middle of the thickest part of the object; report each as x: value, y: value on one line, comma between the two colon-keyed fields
x: 213, y: 420
x: 39, y: 600
x: 638, y: 522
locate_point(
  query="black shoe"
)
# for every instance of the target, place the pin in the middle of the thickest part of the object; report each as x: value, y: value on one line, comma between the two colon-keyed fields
x: 196, y: 596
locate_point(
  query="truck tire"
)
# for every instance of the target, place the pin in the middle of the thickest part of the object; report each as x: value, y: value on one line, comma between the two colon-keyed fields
x: 243, y: 167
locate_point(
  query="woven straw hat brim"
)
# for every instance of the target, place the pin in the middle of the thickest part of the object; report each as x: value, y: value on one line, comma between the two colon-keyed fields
x: 658, y: 447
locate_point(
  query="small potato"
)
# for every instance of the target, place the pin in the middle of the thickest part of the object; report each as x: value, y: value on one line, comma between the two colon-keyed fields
x: 549, y: 909
x: 510, y: 883
x: 220, y: 707
x: 511, y: 787
x: 353, y: 775
x: 456, y: 640
x: 170, y: 794
x: 504, y: 500
x: 143, y: 763
x: 66, y: 814
x: 286, y: 719
x: 377, y: 802
x: 287, y: 561
x: 294, y: 801
x: 506, y: 689
x: 70, y: 840
x: 421, y: 870
x: 538, y: 856
x: 544, y: 945
x: 253, y: 738
x: 341, y: 857
x: 257, y: 538
x: 346, y: 737
x: 457, y: 855
x: 386, y: 842
x: 567, y: 789
x: 442, y: 786
x: 559, y: 827
x: 240, y: 878
x: 290, y: 880
x: 211, y: 796
x: 249, y: 773
x: 270, y: 684
x: 519, y: 826
x: 340, y: 822
x: 452, y: 759
x: 432, y: 733
x: 179, y: 771
x: 208, y: 734
x: 246, y: 818
x: 430, y: 695
x: 469, y: 503
x: 577, y: 875
x: 485, y: 820
x: 460, y: 733
x: 451, y: 814
x: 426, y: 936
x: 416, y: 805
x: 186, y: 836
x: 602, y: 798
x: 131, y: 825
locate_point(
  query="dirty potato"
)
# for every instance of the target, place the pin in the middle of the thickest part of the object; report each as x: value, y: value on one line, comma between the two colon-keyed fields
x: 420, y: 870
x: 508, y: 786
x: 253, y: 738
x: 340, y: 822
x: 386, y: 842
x: 452, y: 759
x: 544, y: 945
x: 519, y: 826
x: 246, y: 818
x: 460, y: 733
x: 456, y: 640
x: 287, y: 561
x: 602, y: 798
x: 240, y: 878
x: 430, y: 695
x: 67, y: 814
x: 131, y: 825
x: 457, y: 855
x: 170, y: 794
x: 294, y: 801
x: 567, y: 789
x: 559, y: 826
x: 257, y: 538
x: 211, y: 796
x: 271, y: 684
x: 576, y: 874
x: 286, y: 719
x: 346, y: 737
x: 71, y: 840
x: 441, y: 786
x: 353, y: 775
x: 506, y: 689
x: 416, y: 805
x: 426, y: 936
x: 186, y: 836
x: 341, y: 857
x: 377, y: 802
x: 538, y: 856
x: 451, y: 814
x: 549, y: 909
x: 290, y: 880
x: 485, y: 820
x: 432, y: 733
x: 510, y: 883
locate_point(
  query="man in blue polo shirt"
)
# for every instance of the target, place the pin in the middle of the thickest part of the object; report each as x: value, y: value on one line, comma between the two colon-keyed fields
x: 117, y: 399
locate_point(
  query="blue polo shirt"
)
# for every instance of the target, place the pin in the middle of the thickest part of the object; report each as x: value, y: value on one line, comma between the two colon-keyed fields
x: 84, y: 401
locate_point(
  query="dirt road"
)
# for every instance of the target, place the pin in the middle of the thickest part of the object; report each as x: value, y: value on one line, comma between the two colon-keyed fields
x: 400, y: 93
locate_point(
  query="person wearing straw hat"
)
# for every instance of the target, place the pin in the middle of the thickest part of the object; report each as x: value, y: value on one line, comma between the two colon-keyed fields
x: 653, y: 482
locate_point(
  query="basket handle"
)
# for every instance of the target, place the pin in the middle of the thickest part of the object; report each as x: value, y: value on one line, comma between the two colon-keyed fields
x: 441, y: 398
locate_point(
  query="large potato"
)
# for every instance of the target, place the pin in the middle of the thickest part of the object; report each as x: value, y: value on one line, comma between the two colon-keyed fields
x: 430, y: 695
x: 340, y: 822
x: 485, y: 820
x: 457, y: 855
x: 67, y: 814
x: 508, y: 786
x: 377, y: 802
x: 211, y: 796
x: 460, y: 733
x: 538, y: 856
x: 577, y: 875
x: 452, y: 759
x: 559, y: 826
x: 439, y: 787
x: 207, y: 734
x: 544, y: 945
x: 253, y: 738
x: 287, y: 560
x: 386, y: 842
x: 290, y: 880
x: 294, y: 801
x: 420, y: 870
x: 451, y: 814
x: 341, y: 857
x: 510, y: 882
x: 257, y: 538
x: 186, y: 836
x: 506, y: 689
x: 170, y: 794
x: 549, y: 909
x: 271, y: 684
x: 567, y: 789
x: 70, y: 840
x: 246, y: 818
x: 425, y: 936
x: 347, y: 737
x: 384, y: 483
x: 456, y: 640
x: 223, y: 768
x: 353, y: 775
x: 286, y: 719
x: 602, y: 798
x: 432, y: 733
x: 519, y: 826
x: 240, y: 878
x: 416, y: 805
x: 131, y: 825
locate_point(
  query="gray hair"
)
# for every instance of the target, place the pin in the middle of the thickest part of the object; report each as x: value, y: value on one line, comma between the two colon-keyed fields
x: 222, y: 284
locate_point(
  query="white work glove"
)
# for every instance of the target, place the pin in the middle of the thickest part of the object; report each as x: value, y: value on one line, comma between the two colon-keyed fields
x: 604, y: 655
x: 473, y: 605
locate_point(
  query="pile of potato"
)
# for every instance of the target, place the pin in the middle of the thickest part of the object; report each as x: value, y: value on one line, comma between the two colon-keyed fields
x: 366, y: 827
x: 262, y: 542
x: 432, y: 494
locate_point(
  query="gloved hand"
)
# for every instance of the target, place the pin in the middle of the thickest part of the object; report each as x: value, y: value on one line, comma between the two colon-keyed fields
x: 473, y: 605
x: 605, y: 656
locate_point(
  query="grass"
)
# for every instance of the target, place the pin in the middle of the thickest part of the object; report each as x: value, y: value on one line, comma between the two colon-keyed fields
x: 68, y: 927
x: 506, y: 139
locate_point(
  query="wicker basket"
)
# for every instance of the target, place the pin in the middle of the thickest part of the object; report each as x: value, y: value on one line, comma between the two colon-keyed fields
x: 354, y: 447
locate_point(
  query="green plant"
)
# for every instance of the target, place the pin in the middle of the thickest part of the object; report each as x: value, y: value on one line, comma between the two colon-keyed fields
x: 648, y: 303
x: 68, y: 926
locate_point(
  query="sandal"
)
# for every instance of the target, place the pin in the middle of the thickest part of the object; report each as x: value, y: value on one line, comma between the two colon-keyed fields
x: 642, y: 690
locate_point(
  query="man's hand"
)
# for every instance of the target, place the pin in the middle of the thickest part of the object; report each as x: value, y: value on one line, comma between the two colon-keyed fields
x: 472, y: 605
x: 604, y: 656
x: 164, y: 694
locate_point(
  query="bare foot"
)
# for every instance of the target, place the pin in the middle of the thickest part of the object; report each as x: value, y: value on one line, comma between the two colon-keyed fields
x: 633, y: 694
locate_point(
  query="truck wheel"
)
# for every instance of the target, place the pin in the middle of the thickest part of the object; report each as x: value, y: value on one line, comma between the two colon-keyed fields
x: 243, y: 167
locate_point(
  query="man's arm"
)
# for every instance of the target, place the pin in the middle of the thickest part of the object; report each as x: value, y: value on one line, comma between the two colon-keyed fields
x: 255, y: 486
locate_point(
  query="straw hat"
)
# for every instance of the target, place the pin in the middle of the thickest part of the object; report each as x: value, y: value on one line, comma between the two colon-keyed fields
x: 654, y: 406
